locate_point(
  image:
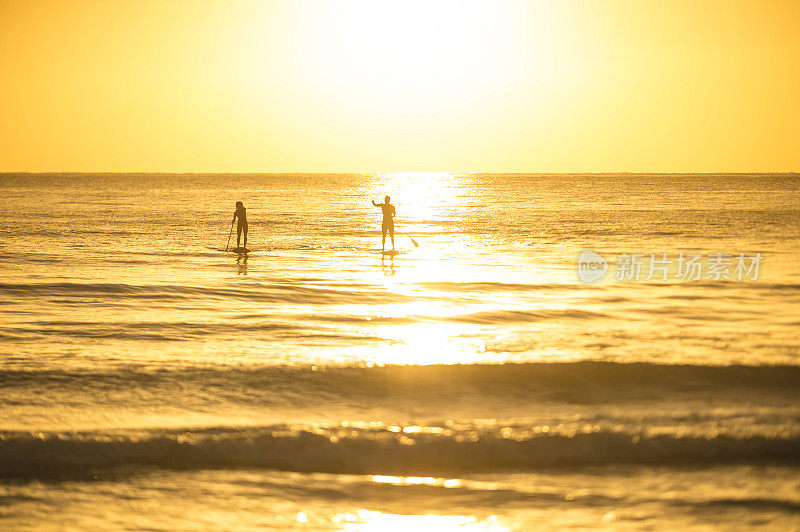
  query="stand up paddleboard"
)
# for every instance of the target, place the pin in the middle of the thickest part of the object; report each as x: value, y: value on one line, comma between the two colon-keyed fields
x: 240, y: 250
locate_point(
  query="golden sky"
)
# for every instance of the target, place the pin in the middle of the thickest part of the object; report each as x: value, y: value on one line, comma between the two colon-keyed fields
x: 296, y: 86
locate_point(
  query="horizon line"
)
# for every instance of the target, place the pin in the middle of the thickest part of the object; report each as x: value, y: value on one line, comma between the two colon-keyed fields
x: 317, y: 172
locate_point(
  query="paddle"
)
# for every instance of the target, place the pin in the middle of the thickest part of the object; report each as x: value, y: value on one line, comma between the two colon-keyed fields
x: 229, y: 235
x: 414, y: 242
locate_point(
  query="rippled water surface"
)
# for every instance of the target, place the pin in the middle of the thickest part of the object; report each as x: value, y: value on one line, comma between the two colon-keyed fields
x: 472, y: 382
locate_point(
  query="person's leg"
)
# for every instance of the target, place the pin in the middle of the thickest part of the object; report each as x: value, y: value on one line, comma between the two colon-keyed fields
x: 391, y: 233
x: 383, y: 241
x: 238, y: 234
x: 245, y: 235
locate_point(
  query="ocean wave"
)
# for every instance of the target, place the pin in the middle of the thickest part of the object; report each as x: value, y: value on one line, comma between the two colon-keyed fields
x: 512, y: 316
x: 572, y: 382
x: 389, y: 450
x: 255, y: 292
x: 175, y: 332
x: 499, y: 287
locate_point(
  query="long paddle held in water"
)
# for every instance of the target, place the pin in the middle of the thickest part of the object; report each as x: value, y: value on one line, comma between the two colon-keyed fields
x: 229, y: 237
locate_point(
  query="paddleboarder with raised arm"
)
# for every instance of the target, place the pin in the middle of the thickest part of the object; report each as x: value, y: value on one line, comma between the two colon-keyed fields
x: 388, y: 220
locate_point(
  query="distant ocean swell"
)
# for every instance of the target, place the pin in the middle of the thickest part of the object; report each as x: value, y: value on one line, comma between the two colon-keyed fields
x: 383, y: 450
x: 321, y: 291
x: 299, y: 326
x: 254, y: 288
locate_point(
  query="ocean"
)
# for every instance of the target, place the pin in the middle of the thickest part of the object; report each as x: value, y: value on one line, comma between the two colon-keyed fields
x: 558, y: 351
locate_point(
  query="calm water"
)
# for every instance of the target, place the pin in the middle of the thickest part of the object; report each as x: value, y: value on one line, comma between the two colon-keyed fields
x: 149, y: 379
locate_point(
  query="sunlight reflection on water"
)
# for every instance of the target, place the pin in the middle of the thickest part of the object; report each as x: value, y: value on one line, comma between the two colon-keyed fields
x: 366, y: 520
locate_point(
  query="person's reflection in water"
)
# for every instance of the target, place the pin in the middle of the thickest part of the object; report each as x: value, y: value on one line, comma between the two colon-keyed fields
x: 241, y: 261
x: 388, y: 268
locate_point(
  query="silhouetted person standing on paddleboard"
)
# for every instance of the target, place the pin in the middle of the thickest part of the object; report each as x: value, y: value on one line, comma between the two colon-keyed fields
x: 388, y: 220
x: 241, y: 214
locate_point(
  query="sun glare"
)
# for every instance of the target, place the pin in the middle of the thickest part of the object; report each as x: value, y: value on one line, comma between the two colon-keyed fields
x: 403, y: 58
x: 376, y: 85
x: 423, y: 195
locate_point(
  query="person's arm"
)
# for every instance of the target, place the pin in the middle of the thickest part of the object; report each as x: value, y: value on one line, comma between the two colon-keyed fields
x: 375, y: 204
x: 234, y: 216
x: 393, y: 211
